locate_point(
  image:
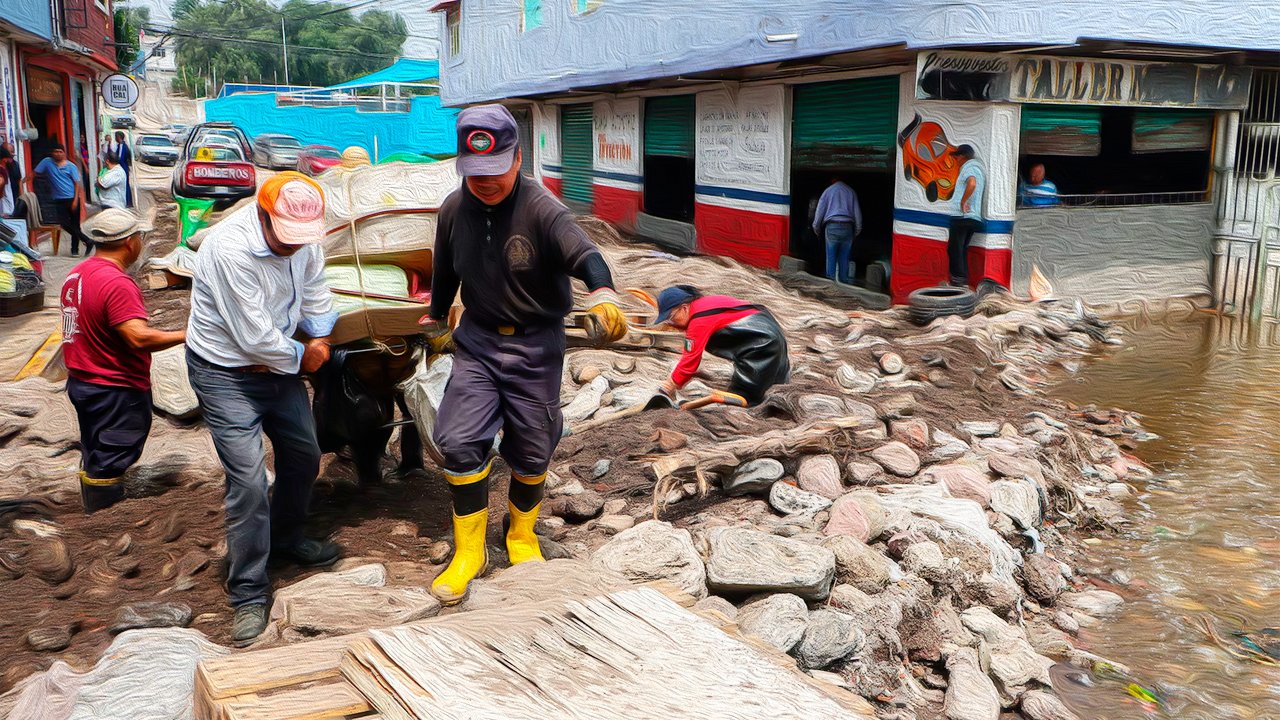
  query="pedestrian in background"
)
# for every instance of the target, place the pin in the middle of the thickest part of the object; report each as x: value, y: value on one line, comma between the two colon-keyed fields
x: 259, y: 278
x: 63, y: 180
x: 838, y: 220
x: 966, y: 213
x: 112, y: 183
x: 125, y: 155
x: 107, y: 345
x: 1038, y: 190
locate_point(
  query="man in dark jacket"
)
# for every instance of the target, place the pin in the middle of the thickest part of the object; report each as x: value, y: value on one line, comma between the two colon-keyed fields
x: 512, y: 247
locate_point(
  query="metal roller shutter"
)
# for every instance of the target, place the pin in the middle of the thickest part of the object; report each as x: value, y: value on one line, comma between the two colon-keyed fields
x: 848, y: 124
x: 1073, y: 130
x: 668, y: 126
x: 1164, y: 130
x: 576, y: 123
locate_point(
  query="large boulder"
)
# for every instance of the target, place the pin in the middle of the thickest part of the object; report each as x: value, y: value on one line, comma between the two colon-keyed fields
x: 830, y: 637
x: 754, y: 477
x: 858, y: 564
x: 1014, y: 663
x: 970, y: 693
x: 779, y: 620
x: 744, y: 561
x: 339, y: 603
x: 655, y: 550
x: 1096, y: 603
x: 820, y: 474
x: 859, y: 514
x: 896, y: 458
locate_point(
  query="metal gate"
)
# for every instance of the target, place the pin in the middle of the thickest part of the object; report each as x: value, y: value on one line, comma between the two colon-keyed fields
x: 576, y: 122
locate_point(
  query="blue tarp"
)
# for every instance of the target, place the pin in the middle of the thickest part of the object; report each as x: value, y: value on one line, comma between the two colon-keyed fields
x: 402, y: 71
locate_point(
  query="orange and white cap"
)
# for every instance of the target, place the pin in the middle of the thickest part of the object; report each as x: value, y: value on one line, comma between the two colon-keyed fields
x: 295, y: 203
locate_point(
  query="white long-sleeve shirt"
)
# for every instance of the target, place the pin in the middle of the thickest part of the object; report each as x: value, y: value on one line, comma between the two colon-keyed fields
x: 247, y: 302
x: 111, y: 187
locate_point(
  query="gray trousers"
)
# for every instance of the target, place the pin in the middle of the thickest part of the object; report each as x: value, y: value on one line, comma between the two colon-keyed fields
x: 238, y: 409
x: 502, y: 382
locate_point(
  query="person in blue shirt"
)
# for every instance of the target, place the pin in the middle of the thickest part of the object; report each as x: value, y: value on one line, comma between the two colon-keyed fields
x: 966, y: 213
x: 63, y: 180
x: 838, y: 220
x: 1038, y: 190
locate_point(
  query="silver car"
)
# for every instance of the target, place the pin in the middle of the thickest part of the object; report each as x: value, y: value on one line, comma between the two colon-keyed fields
x: 155, y: 150
x: 277, y: 152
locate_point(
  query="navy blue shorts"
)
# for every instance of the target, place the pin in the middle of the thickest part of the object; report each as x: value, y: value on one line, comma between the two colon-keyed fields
x: 502, y: 382
x: 114, y: 423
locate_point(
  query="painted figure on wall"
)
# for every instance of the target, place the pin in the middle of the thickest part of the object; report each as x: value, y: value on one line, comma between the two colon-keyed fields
x: 929, y: 158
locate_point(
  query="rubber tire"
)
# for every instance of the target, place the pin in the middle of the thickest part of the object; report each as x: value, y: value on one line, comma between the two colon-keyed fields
x: 928, y: 304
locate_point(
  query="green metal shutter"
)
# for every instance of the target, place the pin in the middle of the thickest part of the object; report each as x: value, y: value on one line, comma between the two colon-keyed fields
x: 1074, y: 130
x: 848, y: 124
x: 1165, y: 130
x: 576, y: 126
x: 668, y: 126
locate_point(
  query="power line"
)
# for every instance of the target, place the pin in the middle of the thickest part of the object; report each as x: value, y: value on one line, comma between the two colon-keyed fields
x: 218, y: 38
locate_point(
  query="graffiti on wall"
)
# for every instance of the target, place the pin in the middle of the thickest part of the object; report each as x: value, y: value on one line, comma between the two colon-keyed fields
x: 929, y: 158
x: 617, y: 135
x: 742, y: 138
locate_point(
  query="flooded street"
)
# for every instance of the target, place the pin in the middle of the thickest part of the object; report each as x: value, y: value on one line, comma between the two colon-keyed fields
x: 1206, y: 529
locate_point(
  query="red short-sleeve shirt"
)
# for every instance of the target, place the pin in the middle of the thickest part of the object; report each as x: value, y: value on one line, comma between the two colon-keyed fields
x: 96, y: 297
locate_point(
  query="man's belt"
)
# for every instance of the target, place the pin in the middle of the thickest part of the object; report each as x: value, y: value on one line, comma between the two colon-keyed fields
x: 246, y: 369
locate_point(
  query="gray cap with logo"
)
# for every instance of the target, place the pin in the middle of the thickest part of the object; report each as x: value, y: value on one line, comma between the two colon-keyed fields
x: 487, y: 140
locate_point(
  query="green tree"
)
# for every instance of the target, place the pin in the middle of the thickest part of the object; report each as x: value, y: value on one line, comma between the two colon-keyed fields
x: 129, y: 21
x: 239, y: 41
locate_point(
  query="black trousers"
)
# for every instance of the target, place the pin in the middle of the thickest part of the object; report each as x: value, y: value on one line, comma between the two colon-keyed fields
x: 69, y: 220
x: 961, y: 232
x: 114, y: 424
x: 757, y: 348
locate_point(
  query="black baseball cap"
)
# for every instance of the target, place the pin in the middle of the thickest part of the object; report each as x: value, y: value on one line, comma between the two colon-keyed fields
x: 487, y: 140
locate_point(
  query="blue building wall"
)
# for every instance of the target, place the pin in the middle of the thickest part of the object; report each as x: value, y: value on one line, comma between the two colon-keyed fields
x: 627, y: 40
x: 426, y: 128
x: 32, y: 16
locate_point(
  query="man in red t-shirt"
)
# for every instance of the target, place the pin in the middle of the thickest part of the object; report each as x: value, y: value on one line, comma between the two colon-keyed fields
x: 107, y: 344
x: 729, y: 328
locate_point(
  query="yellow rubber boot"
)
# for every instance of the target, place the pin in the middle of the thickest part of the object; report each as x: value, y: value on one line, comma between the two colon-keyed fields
x: 522, y: 544
x: 470, y: 558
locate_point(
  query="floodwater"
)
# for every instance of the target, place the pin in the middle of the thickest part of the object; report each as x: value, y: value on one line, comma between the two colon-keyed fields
x: 1205, y: 539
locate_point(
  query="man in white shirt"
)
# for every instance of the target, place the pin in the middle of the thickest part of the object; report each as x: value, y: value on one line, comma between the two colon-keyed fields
x: 111, y: 184
x: 259, y: 278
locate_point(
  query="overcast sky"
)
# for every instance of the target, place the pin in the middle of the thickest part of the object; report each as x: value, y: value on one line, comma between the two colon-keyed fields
x: 424, y: 27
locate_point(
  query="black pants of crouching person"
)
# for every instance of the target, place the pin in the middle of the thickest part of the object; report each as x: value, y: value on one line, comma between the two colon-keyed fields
x: 114, y: 423
x: 504, y: 378
x: 757, y: 348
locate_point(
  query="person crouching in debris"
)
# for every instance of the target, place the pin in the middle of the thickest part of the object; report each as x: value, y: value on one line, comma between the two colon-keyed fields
x: 512, y: 247
x: 107, y: 345
x: 259, y: 278
x: 729, y: 328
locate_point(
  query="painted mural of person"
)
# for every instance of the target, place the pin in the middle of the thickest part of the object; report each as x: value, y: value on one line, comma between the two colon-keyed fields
x: 966, y: 213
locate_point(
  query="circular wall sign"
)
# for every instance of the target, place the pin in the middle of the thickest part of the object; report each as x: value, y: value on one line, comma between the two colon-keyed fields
x: 119, y: 91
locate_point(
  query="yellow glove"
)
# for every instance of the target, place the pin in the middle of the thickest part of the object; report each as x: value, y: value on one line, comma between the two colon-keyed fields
x: 605, y: 322
x: 439, y: 336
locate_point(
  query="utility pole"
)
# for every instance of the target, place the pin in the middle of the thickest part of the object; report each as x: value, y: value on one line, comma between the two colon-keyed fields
x: 284, y: 42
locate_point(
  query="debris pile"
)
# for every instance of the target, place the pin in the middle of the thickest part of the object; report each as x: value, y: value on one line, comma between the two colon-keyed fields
x: 899, y: 517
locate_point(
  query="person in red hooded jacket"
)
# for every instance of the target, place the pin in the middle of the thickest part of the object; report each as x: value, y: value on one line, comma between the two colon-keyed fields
x: 736, y: 330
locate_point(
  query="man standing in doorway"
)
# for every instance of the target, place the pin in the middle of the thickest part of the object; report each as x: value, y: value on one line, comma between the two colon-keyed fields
x: 107, y: 344
x: 512, y: 247
x: 63, y: 179
x: 838, y: 220
x: 1038, y: 190
x: 966, y: 213
x: 259, y: 278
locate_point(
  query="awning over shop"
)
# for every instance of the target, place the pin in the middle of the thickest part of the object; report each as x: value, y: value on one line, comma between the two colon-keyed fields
x: 402, y: 72
x: 847, y: 124
x: 1061, y: 130
x: 1171, y: 130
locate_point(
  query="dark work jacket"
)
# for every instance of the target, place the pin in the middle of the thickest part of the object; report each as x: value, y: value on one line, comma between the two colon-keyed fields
x: 513, y: 260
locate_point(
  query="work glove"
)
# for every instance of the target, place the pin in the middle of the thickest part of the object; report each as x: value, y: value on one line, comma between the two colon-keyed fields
x: 439, y: 336
x: 605, y: 322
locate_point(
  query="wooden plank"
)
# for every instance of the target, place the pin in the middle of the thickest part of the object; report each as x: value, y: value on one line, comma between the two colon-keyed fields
x: 44, y: 355
x: 264, y: 670
x: 318, y: 701
x: 632, y: 654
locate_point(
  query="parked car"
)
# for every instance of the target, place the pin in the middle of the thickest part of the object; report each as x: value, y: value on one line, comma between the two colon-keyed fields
x: 315, y: 159
x: 215, y: 167
x: 276, y: 151
x: 155, y: 149
x: 123, y: 122
x: 175, y: 131
x: 219, y: 132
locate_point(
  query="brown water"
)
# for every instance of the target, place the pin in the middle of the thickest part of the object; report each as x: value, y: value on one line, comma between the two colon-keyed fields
x: 1205, y: 539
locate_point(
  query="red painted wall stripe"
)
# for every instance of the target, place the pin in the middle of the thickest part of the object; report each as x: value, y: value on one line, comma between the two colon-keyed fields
x: 921, y: 262
x: 616, y: 205
x: 555, y: 185
x: 755, y: 238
